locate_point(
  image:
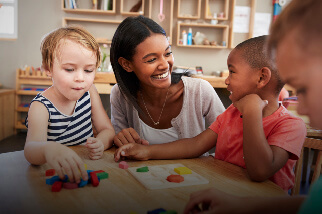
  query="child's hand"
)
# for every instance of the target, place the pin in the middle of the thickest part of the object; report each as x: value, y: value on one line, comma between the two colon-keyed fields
x: 132, y: 151
x: 65, y: 160
x: 214, y: 201
x: 128, y: 135
x: 250, y: 102
x: 95, y: 147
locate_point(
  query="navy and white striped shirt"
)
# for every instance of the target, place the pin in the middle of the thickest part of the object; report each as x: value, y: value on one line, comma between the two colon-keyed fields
x: 68, y: 130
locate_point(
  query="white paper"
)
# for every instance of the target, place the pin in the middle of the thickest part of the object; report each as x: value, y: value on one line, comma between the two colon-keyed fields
x: 7, y: 20
x: 262, y: 23
x: 241, y: 19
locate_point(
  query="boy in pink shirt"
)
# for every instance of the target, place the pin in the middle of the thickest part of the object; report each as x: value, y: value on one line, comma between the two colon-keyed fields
x: 255, y: 132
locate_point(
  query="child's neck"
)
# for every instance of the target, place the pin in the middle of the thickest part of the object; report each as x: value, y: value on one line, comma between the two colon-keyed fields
x: 271, y: 107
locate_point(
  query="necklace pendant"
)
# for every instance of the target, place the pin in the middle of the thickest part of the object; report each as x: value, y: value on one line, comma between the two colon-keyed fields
x: 157, y: 123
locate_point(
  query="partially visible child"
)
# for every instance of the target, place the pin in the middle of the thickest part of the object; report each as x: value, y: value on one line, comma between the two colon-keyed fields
x: 63, y: 114
x: 255, y: 132
x: 296, y: 42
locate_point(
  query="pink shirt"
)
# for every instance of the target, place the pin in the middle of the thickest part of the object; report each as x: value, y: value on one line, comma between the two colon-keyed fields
x: 281, y: 129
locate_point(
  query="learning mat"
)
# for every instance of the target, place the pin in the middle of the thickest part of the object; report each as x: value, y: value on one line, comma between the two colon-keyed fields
x: 156, y: 177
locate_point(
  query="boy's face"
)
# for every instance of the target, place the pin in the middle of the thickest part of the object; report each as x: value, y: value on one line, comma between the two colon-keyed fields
x: 242, y: 79
x: 302, y: 69
x: 73, y: 70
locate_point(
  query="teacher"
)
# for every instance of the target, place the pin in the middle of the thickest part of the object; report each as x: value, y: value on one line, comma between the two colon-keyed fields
x: 150, y: 104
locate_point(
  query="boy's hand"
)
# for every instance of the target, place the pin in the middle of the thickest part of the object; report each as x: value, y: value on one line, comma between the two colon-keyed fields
x: 250, y: 102
x: 95, y: 147
x: 128, y: 135
x: 132, y: 151
x: 65, y: 160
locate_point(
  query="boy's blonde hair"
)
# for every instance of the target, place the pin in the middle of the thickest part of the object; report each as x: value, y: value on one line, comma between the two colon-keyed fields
x: 305, y: 16
x: 51, y: 43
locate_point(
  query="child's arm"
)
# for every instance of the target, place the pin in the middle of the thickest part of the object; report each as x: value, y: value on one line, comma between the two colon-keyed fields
x: 216, y: 201
x: 102, y: 124
x: 262, y: 160
x: 39, y: 151
x: 183, y: 148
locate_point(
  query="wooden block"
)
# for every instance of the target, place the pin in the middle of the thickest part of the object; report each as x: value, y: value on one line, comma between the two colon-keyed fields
x: 69, y: 185
x: 82, y: 183
x: 102, y: 175
x: 56, y: 187
x: 50, y: 172
x: 123, y: 165
x: 52, y: 180
x: 142, y: 169
x: 156, y: 211
x: 175, y: 178
x: 182, y: 170
x: 94, y: 180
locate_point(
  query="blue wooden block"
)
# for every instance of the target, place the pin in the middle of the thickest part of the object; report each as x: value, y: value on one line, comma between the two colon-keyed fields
x: 82, y: 183
x: 156, y: 211
x: 52, y: 180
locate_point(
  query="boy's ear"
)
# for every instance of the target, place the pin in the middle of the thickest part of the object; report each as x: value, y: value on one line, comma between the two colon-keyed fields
x: 126, y: 64
x: 47, y: 71
x: 265, y: 77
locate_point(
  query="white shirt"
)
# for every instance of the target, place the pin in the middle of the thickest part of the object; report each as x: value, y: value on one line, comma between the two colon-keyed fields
x: 158, y: 136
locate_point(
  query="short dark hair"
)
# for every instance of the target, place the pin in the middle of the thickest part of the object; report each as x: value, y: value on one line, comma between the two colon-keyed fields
x: 254, y: 52
x: 129, y: 34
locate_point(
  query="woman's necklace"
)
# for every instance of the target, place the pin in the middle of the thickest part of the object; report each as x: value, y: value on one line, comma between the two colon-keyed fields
x: 155, y: 123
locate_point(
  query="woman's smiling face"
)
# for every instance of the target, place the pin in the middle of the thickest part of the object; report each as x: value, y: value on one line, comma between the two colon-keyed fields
x: 153, y: 62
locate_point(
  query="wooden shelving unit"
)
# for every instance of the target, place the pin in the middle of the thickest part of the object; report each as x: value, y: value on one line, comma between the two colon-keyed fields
x: 89, y: 11
x: 216, y: 6
x: 125, y: 12
x: 223, y: 37
x: 194, y: 5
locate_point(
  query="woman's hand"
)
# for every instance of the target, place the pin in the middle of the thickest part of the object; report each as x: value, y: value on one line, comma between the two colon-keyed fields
x: 65, y: 160
x: 127, y: 136
x: 95, y: 147
x: 132, y: 151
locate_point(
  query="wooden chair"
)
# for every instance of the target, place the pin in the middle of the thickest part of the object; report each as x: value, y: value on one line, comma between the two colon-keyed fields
x: 309, y: 143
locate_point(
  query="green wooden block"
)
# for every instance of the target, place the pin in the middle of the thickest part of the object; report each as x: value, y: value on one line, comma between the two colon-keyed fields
x: 102, y: 175
x: 142, y: 169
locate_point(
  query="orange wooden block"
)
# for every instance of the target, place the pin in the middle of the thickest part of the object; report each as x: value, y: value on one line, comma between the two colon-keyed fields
x: 175, y: 178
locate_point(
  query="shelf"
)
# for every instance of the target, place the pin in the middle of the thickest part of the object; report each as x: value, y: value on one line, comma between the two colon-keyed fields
x: 103, y: 41
x: 22, y: 109
x: 219, y: 37
x: 216, y: 6
x: 89, y: 11
x: 25, y: 92
x: 20, y: 125
x: 192, y: 5
x: 67, y: 19
x: 127, y: 11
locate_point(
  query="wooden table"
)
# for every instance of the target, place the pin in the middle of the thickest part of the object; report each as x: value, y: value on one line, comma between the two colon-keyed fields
x: 23, y: 188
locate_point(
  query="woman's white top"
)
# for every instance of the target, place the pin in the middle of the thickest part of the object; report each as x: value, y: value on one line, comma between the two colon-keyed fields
x: 158, y: 136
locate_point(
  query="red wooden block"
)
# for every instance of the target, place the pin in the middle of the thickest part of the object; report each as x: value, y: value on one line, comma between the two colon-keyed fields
x: 175, y: 178
x: 94, y: 179
x: 56, y: 187
x: 69, y: 185
x: 98, y: 171
x: 50, y: 172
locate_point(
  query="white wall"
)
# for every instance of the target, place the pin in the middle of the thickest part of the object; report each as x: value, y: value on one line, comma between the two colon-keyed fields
x: 36, y: 18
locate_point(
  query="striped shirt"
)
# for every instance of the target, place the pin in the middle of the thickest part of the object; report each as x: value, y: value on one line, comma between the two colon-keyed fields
x: 68, y: 130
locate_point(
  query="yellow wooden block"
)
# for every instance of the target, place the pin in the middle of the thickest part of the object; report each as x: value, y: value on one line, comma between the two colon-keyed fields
x: 182, y: 170
x: 85, y: 165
